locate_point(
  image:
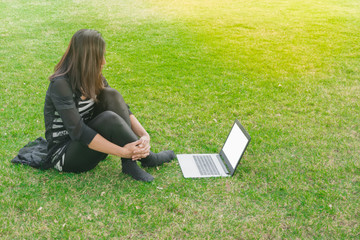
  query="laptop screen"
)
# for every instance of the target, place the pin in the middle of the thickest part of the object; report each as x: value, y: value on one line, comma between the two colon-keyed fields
x: 235, y: 145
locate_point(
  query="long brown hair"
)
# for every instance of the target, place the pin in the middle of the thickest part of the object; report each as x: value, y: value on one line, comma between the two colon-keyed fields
x: 82, y: 62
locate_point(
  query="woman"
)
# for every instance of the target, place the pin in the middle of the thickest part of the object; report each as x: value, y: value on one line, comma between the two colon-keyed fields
x: 86, y: 120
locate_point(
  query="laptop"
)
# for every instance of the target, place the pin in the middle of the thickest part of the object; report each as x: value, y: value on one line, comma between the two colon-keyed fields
x: 217, y: 165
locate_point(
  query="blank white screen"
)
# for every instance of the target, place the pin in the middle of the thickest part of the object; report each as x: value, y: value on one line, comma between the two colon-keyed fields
x: 235, y: 145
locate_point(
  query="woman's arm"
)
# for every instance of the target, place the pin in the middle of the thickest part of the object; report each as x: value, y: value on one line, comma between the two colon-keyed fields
x: 138, y: 129
x: 135, y: 150
x: 131, y: 150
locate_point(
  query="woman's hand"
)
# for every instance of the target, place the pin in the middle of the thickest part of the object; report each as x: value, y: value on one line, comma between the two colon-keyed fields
x: 137, y: 150
x: 146, y: 141
x: 143, y: 149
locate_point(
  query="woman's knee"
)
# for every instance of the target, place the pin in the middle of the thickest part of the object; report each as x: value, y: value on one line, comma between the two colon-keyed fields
x: 110, y: 99
x: 113, y: 127
x: 108, y: 119
x: 110, y: 95
x: 106, y: 122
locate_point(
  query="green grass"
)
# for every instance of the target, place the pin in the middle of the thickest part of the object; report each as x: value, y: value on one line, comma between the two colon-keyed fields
x: 287, y: 69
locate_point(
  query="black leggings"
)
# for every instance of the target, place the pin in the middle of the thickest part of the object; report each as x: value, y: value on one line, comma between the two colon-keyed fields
x: 112, y: 121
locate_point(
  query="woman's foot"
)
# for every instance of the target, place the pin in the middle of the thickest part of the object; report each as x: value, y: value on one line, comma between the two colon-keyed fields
x: 157, y: 159
x: 131, y: 168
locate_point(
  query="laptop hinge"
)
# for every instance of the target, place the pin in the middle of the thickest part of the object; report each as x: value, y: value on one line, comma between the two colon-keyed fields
x: 222, y: 164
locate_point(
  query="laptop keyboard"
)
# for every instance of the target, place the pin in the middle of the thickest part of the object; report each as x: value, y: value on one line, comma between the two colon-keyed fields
x: 206, y: 165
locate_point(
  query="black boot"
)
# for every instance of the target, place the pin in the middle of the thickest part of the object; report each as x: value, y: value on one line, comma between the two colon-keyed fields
x: 131, y: 168
x: 156, y: 159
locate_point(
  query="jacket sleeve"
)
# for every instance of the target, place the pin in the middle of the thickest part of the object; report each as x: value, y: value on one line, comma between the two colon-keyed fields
x: 63, y: 100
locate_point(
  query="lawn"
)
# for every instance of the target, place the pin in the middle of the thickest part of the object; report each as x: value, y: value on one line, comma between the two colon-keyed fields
x: 289, y: 70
